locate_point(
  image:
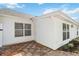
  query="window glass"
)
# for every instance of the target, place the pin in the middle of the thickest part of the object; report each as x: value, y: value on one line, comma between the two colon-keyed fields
x: 72, y: 26
x: 27, y: 29
x: 67, y: 35
x: 64, y: 27
x: 18, y: 33
x: 27, y: 32
x: 27, y: 26
x: 18, y: 26
x: 22, y: 29
x: 77, y: 31
x: 66, y: 31
x: 64, y: 35
x: 67, y: 27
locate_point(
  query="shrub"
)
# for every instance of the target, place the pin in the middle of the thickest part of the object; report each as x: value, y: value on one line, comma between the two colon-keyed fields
x: 68, y: 47
x: 71, y: 46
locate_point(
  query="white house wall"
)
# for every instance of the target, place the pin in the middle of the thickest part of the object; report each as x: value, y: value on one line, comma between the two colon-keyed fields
x: 49, y: 31
x: 9, y: 30
x: 74, y: 32
x: 45, y: 31
x: 59, y: 33
x: 1, y: 32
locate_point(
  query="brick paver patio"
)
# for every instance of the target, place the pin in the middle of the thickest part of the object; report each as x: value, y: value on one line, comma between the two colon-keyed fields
x: 32, y: 49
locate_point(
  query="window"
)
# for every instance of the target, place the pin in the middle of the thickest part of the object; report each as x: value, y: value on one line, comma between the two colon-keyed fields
x: 67, y: 35
x: 18, y: 29
x: 65, y: 31
x: 64, y: 35
x: 72, y: 26
x: 18, y: 33
x: 77, y: 31
x: 27, y: 26
x: 27, y: 29
x: 64, y: 27
x: 22, y: 29
x: 27, y: 32
x: 67, y: 27
x: 18, y: 26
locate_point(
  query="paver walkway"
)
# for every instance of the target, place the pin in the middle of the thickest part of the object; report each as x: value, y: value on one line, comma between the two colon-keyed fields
x: 32, y: 49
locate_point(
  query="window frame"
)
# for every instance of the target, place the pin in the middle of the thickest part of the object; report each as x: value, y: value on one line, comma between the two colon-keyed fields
x: 23, y: 29
x: 28, y: 29
x: 66, y: 31
x: 77, y: 31
x: 18, y: 30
